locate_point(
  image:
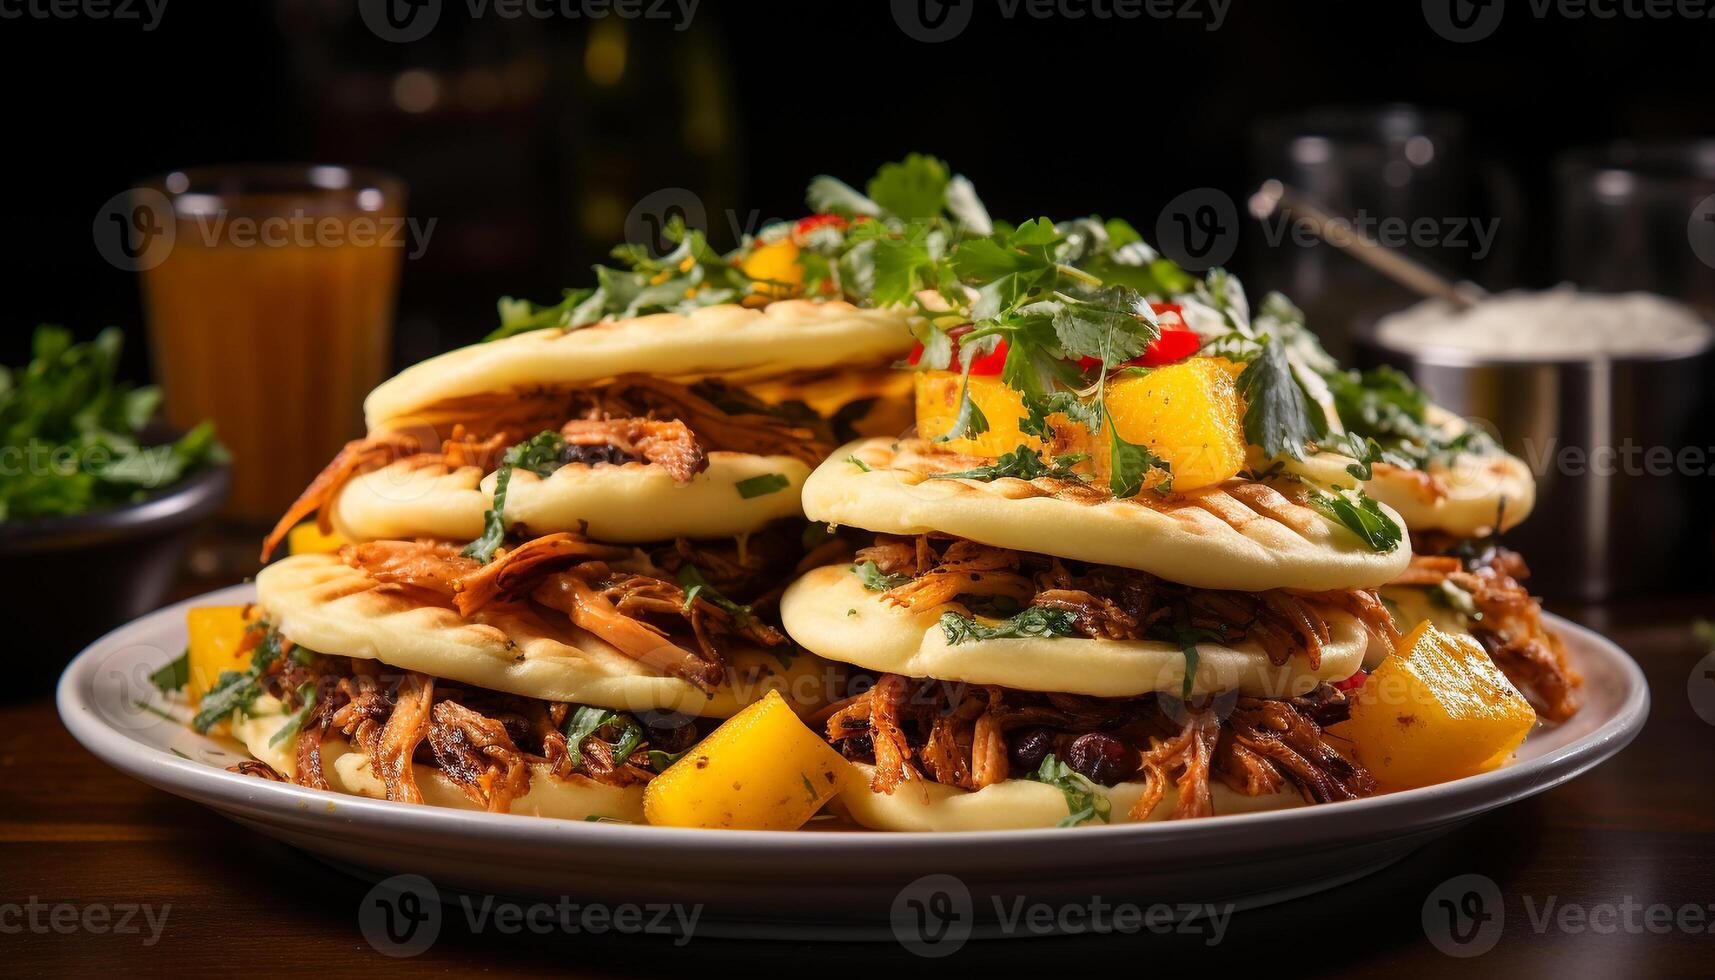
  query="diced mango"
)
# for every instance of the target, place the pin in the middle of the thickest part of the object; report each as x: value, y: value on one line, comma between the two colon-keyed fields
x: 216, y: 645
x: 778, y: 263
x: 308, y: 539
x: 938, y: 408
x: 1436, y: 710
x: 1188, y: 413
x: 762, y: 769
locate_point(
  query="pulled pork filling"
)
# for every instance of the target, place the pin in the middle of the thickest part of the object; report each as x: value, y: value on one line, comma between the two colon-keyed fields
x: 490, y: 745
x: 632, y: 419
x: 1501, y: 613
x: 629, y: 598
x: 1111, y: 603
x: 969, y: 736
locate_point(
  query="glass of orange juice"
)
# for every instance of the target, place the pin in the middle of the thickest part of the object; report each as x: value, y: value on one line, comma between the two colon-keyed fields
x: 269, y: 296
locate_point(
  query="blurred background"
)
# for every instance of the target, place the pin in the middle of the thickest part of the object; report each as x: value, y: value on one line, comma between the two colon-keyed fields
x: 524, y: 143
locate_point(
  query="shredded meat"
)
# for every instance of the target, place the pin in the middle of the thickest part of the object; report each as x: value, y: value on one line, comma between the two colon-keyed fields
x: 642, y: 614
x: 259, y: 769
x: 488, y: 743
x: 668, y: 444
x: 634, y: 417
x: 372, y: 453
x: 1118, y: 603
x: 958, y: 735
x: 1509, y: 621
x: 388, y: 728
x: 478, y: 755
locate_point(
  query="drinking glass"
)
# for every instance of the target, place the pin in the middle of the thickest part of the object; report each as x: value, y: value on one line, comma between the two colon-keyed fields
x: 271, y: 312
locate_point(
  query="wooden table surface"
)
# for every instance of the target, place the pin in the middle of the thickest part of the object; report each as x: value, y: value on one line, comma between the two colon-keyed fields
x: 78, y: 839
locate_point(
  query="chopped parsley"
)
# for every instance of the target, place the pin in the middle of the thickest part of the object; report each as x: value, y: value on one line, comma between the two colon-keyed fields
x: 1186, y: 639
x: 1022, y: 463
x: 1032, y: 621
x: 1084, y: 802
x: 761, y: 486
x: 660, y: 761
x: 860, y: 464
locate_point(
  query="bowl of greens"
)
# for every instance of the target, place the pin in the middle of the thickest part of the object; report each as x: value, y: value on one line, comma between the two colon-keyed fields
x: 96, y: 497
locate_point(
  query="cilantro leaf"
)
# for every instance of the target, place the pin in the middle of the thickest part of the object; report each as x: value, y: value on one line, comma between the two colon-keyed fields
x: 1366, y: 451
x: 295, y: 721
x: 1280, y: 416
x: 1360, y: 514
x: 913, y: 189
x: 1023, y: 463
x: 1114, y: 324
x: 1129, y: 464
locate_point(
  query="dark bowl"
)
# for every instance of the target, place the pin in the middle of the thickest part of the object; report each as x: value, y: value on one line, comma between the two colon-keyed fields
x: 67, y: 580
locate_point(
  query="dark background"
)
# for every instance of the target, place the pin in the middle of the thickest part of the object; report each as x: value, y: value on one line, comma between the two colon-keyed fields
x: 528, y: 166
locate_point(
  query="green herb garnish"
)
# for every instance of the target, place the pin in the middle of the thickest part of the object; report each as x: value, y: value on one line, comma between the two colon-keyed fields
x: 860, y: 464
x: 1360, y: 514
x: 1022, y: 463
x: 540, y: 454
x: 294, y: 722
x: 237, y: 690
x: 174, y: 675
x: 696, y: 587
x: 1084, y: 802
x: 623, y: 738
x: 876, y: 580
x: 1031, y: 621
x: 761, y: 486
x: 76, y: 432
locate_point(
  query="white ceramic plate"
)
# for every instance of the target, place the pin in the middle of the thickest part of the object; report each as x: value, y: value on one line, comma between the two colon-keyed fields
x: 845, y: 884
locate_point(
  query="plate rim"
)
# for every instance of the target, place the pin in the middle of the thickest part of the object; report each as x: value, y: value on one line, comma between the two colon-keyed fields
x: 305, y: 809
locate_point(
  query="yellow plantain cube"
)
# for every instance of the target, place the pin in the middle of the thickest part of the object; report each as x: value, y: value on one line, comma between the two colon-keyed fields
x: 1436, y: 710
x: 308, y: 539
x: 1189, y: 414
x: 762, y: 769
x: 216, y: 638
x: 777, y: 263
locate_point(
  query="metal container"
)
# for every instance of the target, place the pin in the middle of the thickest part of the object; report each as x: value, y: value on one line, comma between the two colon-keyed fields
x: 1623, y: 450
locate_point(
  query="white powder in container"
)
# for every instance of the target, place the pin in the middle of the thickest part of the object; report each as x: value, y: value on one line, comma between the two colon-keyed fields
x: 1558, y: 324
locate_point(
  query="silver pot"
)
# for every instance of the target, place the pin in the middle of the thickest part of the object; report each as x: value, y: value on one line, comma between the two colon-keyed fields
x: 1623, y: 450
